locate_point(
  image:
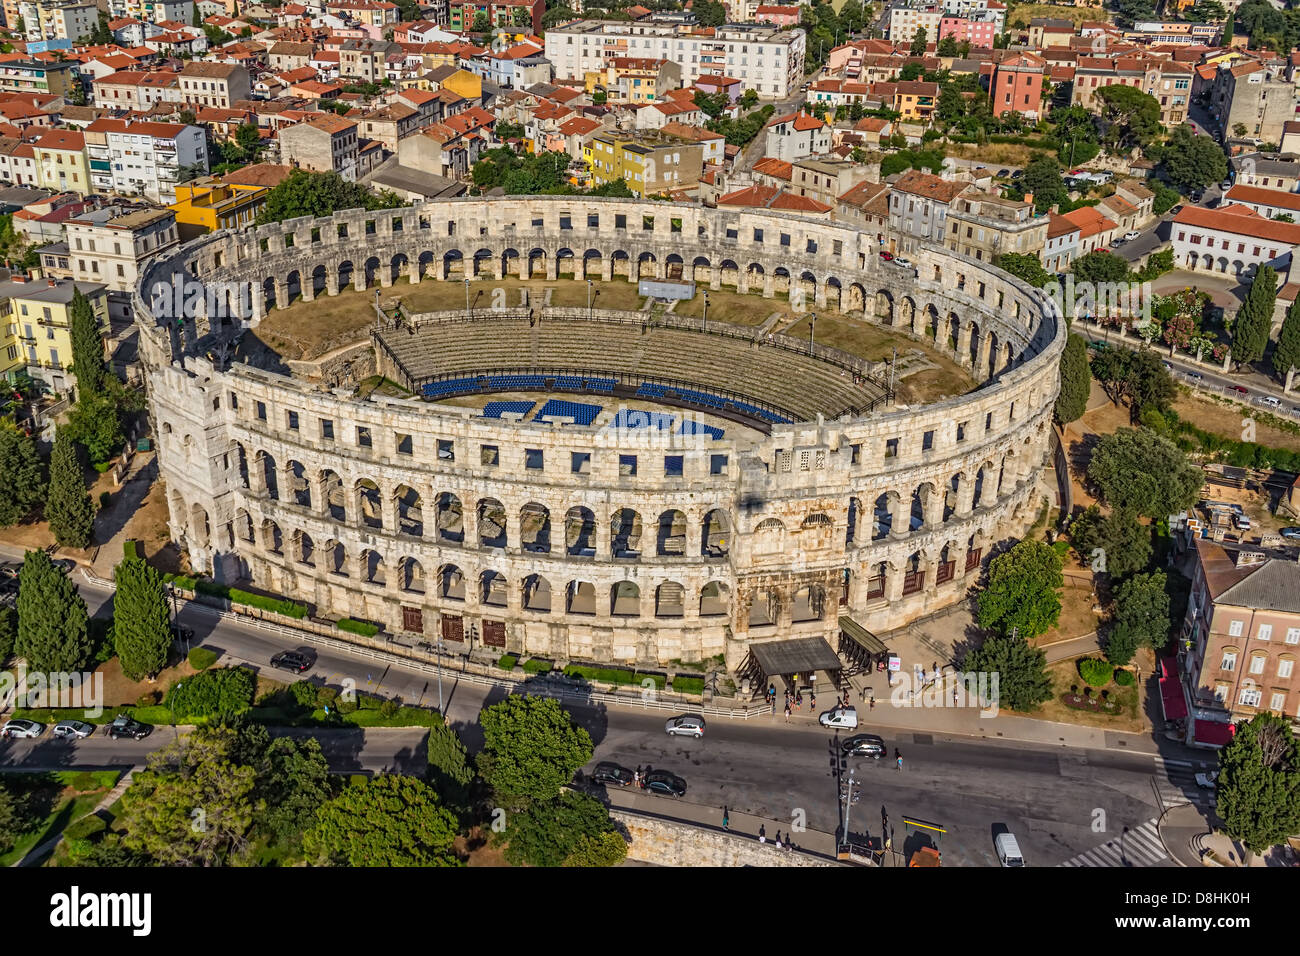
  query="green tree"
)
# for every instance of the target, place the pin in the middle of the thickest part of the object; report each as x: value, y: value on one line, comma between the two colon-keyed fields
x: 531, y: 748
x: 1258, y: 793
x: 603, y: 849
x: 522, y: 18
x: 1141, y: 472
x: 1207, y: 11
x: 482, y: 23
x: 52, y: 618
x: 1115, y: 543
x: 22, y: 474
x: 67, y: 507
x: 1192, y: 161
x: 319, y: 194
x: 709, y: 13
x: 293, y: 781
x: 749, y: 99
x: 1142, y: 608
x: 1076, y: 381
x: 1022, y: 591
x: 142, y: 631
x: 1129, y: 117
x: 87, y: 346
x: 1165, y: 198
x: 1285, y: 357
x: 947, y: 46
x: 449, y: 769
x: 614, y: 189
x: 711, y: 104
x: 918, y: 42
x: 194, y: 806
x: 1097, y: 267
x: 549, y: 831
x: 1026, y: 267
x: 1121, y: 644
x: 1255, y: 318
x: 101, y: 35
x: 1023, y: 681
x: 249, y: 140
x: 8, y: 632
x: 390, y: 820
x: 1043, y: 178
x: 96, y: 423
x: 1136, y: 379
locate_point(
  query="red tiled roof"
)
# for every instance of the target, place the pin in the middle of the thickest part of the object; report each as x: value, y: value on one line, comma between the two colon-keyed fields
x: 770, y: 197
x: 1240, y: 221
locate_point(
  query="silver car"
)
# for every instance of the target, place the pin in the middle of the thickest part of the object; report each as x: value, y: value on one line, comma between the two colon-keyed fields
x: 18, y: 727
x: 688, y: 724
x: 73, y: 729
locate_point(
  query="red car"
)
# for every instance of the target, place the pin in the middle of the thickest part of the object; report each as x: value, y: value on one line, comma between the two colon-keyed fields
x: 886, y: 255
x: 1238, y: 388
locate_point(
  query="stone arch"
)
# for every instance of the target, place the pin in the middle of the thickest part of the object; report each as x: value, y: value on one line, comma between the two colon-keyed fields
x: 715, y: 599
x: 580, y: 597
x: 369, y: 503
x: 371, y: 270
x: 625, y: 599
x: 243, y: 525
x: 808, y: 603
x: 424, y: 262
x: 536, y: 594
x: 453, y: 260
x: 299, y: 488
x: 670, y: 538
x: 906, y: 311
x: 620, y: 264
x: 482, y: 258
x: 333, y: 495
x: 292, y: 286
x: 451, y: 583
x: 913, y: 574
x: 448, y: 519
x: 670, y: 600
x: 396, y: 265
x: 304, y: 549
x: 510, y: 257
x: 410, y: 511
x: 372, y: 567
x: 769, y: 536
x: 580, y: 532
x: 272, y: 539
x: 319, y: 280
x: 410, y: 575
x: 764, y: 608
x: 200, y: 527
x: 882, y: 515
x: 565, y: 261
x: 336, y: 558
x: 851, y: 531
x: 268, y: 292
x: 728, y: 273
x: 491, y: 523
x: 265, y: 462
x: 492, y: 589
x: 877, y: 581
x: 625, y: 533
x: 715, y: 534
x: 884, y: 307
x: 535, y: 528
x: 344, y: 272
x: 972, y: 353
x: 857, y: 298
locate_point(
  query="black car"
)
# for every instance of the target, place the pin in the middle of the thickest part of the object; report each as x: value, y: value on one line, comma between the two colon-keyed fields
x: 291, y: 661
x: 607, y: 773
x: 124, y: 726
x: 864, y: 745
x: 664, y: 783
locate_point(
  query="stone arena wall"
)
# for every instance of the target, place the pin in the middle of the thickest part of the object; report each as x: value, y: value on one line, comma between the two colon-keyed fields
x: 385, y: 509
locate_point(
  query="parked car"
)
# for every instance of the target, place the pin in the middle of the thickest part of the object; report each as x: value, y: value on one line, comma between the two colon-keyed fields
x: 1225, y: 185
x: 1118, y: 242
x: 1208, y: 780
x: 291, y: 661
x: 10, y: 571
x: 1238, y: 388
x: 18, y: 727
x: 1291, y: 534
x: 1176, y: 209
x: 66, y: 565
x: 73, y: 729
x: 1241, y: 522
x: 1271, y: 402
x: 840, y: 717
x: 1008, y: 850
x: 900, y: 261
x: 607, y: 772
x: 1195, y: 375
x: 124, y: 726
x: 1130, y: 236
x: 864, y: 745
x: 887, y: 256
x: 1004, y: 172
x: 1195, y: 195
x: 665, y: 784
x: 692, y: 725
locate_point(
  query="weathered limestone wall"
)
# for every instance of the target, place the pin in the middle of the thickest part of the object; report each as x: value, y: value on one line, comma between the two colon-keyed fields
x: 665, y: 843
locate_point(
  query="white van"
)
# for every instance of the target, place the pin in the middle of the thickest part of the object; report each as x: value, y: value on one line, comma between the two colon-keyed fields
x: 1008, y: 850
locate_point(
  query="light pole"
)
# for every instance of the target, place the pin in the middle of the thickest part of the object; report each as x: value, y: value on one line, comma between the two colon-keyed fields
x: 441, y: 712
x: 469, y: 313
x: 704, y: 322
x: 588, y: 300
x: 812, y: 324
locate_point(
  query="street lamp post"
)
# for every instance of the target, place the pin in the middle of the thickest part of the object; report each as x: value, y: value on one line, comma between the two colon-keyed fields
x: 469, y: 312
x: 588, y: 300
x: 704, y: 322
x: 812, y: 324
x: 440, y: 710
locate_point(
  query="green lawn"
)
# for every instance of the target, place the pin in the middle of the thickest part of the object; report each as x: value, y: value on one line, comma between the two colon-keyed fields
x: 65, y: 809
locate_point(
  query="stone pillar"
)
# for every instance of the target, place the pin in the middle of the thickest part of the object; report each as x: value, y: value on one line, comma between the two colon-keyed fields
x: 607, y: 269
x: 257, y: 477
x: 359, y: 278
x: 785, y: 612
x: 468, y: 523
x: 715, y: 277
x: 512, y: 528
x: 319, y: 495
x: 601, y: 541
x: 413, y: 272
x: 331, y: 283
x: 982, y: 362
x: 307, y: 285
x: 552, y: 264
x: 499, y: 267
x: 742, y: 281
x: 514, y: 599
x: 963, y: 345
x: 386, y: 275
x: 769, y: 285
x: 647, y: 603
x: 894, y: 584
x: 694, y: 534
x: 934, y: 500
x: 388, y: 512
x: 819, y: 293
x: 965, y: 495
x: 900, y: 510
x: 988, y: 490
x: 258, y: 303
x: 916, y: 324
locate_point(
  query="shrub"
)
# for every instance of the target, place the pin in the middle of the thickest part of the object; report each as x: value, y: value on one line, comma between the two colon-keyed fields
x: 347, y: 706
x: 146, y: 700
x: 102, y: 466
x: 389, y: 709
x: 201, y: 658
x: 507, y: 662
x: 325, y: 696
x: 608, y: 675
x: 357, y: 779
x: 304, y: 693
x: 1096, y: 672
x: 222, y: 692
x: 275, y: 605
x: 1125, y: 678
x: 536, y: 665
x: 352, y: 626
x: 131, y: 549
x: 183, y: 581
x: 688, y: 685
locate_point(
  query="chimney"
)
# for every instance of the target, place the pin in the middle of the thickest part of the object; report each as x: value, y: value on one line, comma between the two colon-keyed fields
x: 1029, y: 198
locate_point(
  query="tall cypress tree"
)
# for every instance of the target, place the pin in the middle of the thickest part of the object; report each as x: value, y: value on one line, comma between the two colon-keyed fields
x: 87, y: 347
x: 1076, y: 379
x: 68, y: 507
x: 1255, y: 318
x: 141, y: 626
x: 51, y: 618
x: 22, y: 476
x: 1287, y: 354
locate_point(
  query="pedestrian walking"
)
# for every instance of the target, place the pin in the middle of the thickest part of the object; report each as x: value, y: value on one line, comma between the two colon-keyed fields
x: 726, y: 819
x: 773, y: 706
x: 935, y: 667
x: 762, y: 833
x: 899, y: 759
x: 812, y: 701
x: 778, y: 839
x: 787, y: 712
x: 954, y: 694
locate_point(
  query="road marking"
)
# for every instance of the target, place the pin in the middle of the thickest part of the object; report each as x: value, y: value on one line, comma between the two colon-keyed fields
x: 1141, y: 846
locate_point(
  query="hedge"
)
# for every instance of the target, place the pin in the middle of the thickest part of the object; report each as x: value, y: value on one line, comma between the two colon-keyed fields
x: 225, y: 692
x: 1096, y: 672
x: 507, y: 662
x: 688, y: 685
x: 236, y: 596
x: 201, y: 658
x: 535, y: 665
x: 353, y: 626
x: 1124, y: 678
x: 608, y: 675
x: 130, y: 548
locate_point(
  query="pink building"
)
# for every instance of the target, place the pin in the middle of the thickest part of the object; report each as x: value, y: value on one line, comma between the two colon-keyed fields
x: 979, y: 33
x: 780, y: 16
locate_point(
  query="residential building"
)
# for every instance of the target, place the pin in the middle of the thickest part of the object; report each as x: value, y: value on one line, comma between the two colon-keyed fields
x: 326, y: 144
x: 780, y: 16
x: 918, y: 208
x: 978, y: 29
x: 795, y: 136
x: 1255, y: 96
x: 1049, y: 31
x: 60, y: 156
x: 35, y: 318
x: 525, y: 14
x: 375, y: 14
x: 365, y: 59
x: 766, y: 59
x: 152, y: 11
x: 450, y: 148
x: 1016, y: 83
x: 58, y: 19
x: 771, y: 197
x: 1096, y: 231
x: 908, y: 17
x: 1231, y: 240
x: 1269, y: 203
x: 214, y: 84
x: 650, y: 163
x: 1169, y: 81
x: 984, y: 226
x: 827, y: 178
x: 143, y: 158
x: 1062, y: 244
x: 1260, y: 169
x: 208, y: 203
x: 866, y: 205
x: 287, y: 55
x: 636, y: 79
x: 110, y: 244
x: 137, y: 91
x: 1175, y: 32
x: 1291, y: 135
x: 715, y: 144
x: 1240, y: 639
x: 19, y: 74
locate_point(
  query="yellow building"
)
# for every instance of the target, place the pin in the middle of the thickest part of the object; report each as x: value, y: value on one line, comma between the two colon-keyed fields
x: 61, y: 161
x: 35, y: 324
x: 649, y: 163
x: 207, y: 204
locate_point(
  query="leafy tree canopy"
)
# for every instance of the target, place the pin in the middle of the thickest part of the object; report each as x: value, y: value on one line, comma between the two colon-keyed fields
x: 1145, y: 473
x: 1258, y: 795
x: 319, y: 194
x: 1022, y: 591
x: 390, y: 820
x: 531, y: 747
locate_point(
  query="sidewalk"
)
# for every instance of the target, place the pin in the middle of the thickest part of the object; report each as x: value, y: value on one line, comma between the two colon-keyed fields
x: 1192, y: 842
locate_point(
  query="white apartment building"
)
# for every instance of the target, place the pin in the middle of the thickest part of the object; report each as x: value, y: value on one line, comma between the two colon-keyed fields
x: 766, y: 59
x: 142, y: 158
x: 152, y: 11
x: 54, y: 20
x: 905, y: 19
x: 1232, y: 240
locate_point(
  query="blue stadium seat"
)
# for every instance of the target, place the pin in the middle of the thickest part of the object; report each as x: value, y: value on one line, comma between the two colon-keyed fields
x: 691, y: 427
x: 495, y: 409
x: 581, y: 413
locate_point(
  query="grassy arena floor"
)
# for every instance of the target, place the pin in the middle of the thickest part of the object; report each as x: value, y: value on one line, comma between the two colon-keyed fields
x: 308, y: 329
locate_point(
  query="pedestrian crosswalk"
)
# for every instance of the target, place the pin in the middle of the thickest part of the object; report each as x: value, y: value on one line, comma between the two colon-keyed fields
x: 1138, y: 846
x: 1175, y: 783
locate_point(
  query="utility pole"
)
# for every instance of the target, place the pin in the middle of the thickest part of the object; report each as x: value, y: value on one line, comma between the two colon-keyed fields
x: 469, y: 313
x: 812, y: 324
x: 892, y: 362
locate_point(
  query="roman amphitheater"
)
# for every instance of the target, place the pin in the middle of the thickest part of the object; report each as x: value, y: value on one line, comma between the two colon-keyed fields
x: 595, y: 476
